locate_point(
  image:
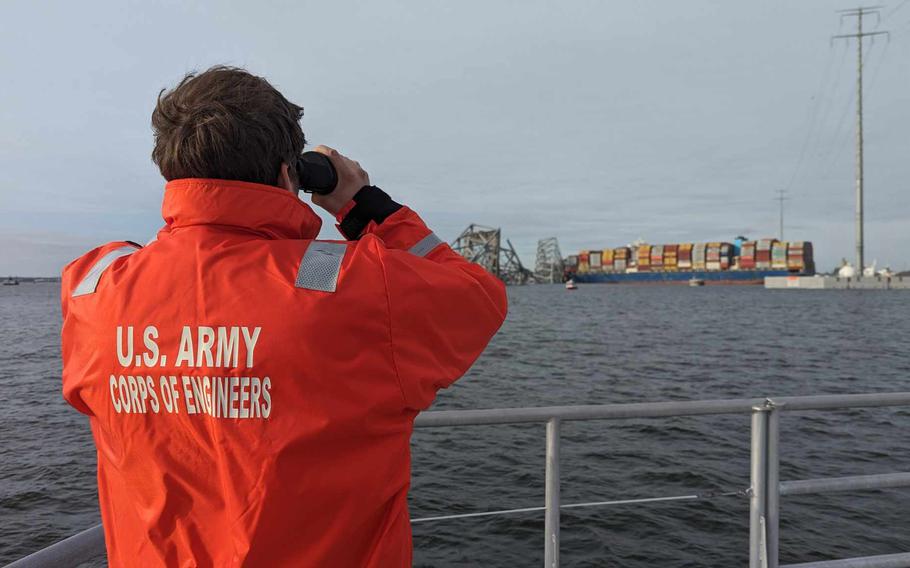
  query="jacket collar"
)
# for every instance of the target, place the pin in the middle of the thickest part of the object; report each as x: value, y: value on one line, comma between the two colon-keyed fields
x: 270, y: 211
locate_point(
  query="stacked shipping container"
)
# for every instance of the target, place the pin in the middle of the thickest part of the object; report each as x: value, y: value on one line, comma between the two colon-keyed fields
x: 621, y: 257
x: 594, y: 260
x: 684, y: 256
x: 726, y: 256
x: 779, y: 256
x: 747, y: 256
x: 712, y: 256
x: 607, y: 260
x: 671, y: 257
x: 698, y: 256
x: 799, y: 257
x: 657, y: 257
x: 644, y: 258
x: 765, y: 254
x: 583, y: 262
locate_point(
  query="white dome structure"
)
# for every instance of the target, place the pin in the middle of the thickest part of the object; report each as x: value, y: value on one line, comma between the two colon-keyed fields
x: 847, y: 271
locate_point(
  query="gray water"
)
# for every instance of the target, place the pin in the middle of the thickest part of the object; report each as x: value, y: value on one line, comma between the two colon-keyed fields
x: 601, y: 344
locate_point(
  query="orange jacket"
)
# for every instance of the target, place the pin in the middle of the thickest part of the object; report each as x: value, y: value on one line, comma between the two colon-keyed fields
x: 251, y: 390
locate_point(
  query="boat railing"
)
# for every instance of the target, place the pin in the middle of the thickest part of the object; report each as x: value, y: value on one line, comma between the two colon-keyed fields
x: 764, y: 491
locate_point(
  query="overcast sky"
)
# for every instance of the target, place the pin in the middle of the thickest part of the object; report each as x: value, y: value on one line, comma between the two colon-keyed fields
x: 595, y: 122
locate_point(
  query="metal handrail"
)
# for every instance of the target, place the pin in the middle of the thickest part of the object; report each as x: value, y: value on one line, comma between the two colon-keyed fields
x: 654, y: 409
x: 764, y: 491
x: 884, y: 561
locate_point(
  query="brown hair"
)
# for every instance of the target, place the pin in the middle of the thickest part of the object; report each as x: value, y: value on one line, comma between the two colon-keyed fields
x: 225, y: 123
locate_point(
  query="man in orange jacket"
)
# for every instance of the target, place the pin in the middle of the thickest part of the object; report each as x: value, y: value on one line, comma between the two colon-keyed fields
x: 251, y: 390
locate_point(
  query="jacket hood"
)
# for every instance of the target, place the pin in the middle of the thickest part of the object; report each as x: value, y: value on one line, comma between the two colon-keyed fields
x: 270, y: 211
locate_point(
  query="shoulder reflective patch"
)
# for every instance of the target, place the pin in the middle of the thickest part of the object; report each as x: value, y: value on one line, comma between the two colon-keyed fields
x: 320, y: 266
x: 425, y: 245
x: 90, y: 282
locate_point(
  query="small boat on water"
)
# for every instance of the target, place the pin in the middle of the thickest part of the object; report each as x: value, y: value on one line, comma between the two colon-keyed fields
x: 696, y: 282
x: 11, y: 281
x: 570, y: 285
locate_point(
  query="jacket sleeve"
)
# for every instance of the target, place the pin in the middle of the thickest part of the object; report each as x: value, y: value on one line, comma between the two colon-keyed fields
x: 443, y: 310
x: 76, y: 343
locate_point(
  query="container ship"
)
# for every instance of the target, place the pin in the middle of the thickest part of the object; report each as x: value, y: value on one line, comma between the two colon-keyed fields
x: 739, y: 262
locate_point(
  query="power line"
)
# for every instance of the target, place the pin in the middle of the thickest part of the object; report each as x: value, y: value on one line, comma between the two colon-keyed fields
x: 840, y: 135
x: 813, y: 114
x: 878, y: 65
x: 896, y: 9
x: 781, y: 197
x: 828, y: 104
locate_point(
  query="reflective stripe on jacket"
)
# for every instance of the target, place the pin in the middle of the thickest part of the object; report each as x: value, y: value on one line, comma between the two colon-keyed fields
x: 251, y: 391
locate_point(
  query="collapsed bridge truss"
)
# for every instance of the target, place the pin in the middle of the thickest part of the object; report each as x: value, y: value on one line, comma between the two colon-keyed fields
x: 484, y: 246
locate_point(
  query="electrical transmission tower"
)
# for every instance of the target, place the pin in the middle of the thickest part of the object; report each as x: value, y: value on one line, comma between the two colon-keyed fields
x: 859, y: 13
x: 483, y: 245
x: 781, y: 197
x: 549, y: 267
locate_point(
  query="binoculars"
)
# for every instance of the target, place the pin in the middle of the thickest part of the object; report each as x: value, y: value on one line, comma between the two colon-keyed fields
x: 315, y: 173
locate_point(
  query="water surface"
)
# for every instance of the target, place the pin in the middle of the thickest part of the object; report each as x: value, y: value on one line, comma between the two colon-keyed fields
x: 601, y: 344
